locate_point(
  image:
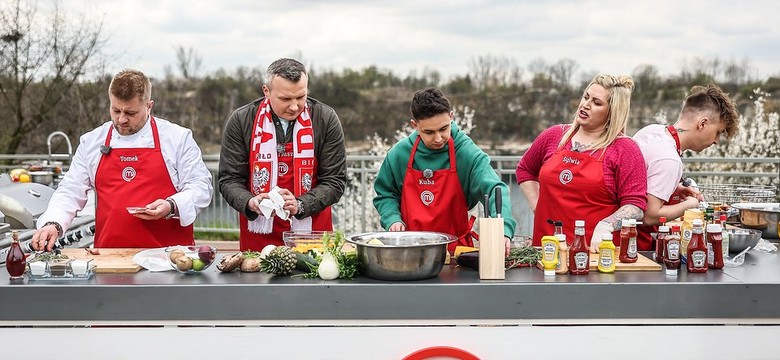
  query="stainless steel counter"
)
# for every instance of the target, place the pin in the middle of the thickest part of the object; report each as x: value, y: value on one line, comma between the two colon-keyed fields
x: 747, y: 294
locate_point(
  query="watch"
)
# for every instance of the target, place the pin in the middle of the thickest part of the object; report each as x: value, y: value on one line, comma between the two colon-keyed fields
x: 173, y: 209
x: 300, y: 207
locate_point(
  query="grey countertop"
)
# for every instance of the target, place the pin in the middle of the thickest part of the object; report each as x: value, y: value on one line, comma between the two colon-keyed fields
x: 746, y: 292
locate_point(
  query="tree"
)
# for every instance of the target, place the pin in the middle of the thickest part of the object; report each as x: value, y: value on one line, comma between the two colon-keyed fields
x: 42, y: 58
x: 188, y: 61
x: 493, y: 71
x: 561, y: 72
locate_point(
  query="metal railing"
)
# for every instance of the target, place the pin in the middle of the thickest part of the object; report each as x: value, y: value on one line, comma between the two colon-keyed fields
x: 355, y: 212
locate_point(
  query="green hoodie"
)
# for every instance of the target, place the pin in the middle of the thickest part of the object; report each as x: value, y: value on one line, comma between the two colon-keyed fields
x: 475, y: 173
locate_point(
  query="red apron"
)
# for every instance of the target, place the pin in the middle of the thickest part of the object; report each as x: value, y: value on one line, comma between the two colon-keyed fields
x: 436, y: 203
x: 571, y: 187
x: 321, y: 221
x: 134, y: 177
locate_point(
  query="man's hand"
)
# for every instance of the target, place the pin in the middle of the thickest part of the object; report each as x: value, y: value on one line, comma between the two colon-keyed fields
x: 507, y: 245
x: 156, y: 210
x: 397, y: 226
x: 290, y: 202
x: 254, y: 203
x: 601, y: 229
x: 44, y: 238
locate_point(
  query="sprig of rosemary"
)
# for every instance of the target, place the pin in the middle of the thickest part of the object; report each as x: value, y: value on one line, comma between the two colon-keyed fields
x: 524, y: 255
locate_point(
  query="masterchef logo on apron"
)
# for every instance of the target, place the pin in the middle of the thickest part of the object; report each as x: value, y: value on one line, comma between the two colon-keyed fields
x: 128, y: 173
x: 283, y: 169
x: 426, y: 197
x: 565, y: 176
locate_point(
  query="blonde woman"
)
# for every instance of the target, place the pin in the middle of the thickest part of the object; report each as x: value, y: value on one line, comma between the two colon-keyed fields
x: 588, y: 169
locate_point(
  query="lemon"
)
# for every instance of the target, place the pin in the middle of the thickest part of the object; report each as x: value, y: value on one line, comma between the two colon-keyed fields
x: 25, y: 178
x: 375, y: 242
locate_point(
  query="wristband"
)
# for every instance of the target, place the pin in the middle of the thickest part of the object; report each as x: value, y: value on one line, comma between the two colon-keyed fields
x: 173, y: 209
x: 57, y: 226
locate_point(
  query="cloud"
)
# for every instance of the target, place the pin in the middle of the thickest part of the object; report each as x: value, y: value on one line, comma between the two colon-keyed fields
x: 408, y: 35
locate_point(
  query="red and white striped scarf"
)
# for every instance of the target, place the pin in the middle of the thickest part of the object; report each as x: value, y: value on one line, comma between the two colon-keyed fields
x: 264, y: 162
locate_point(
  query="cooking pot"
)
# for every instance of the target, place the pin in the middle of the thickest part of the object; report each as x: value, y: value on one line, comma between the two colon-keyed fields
x: 760, y: 216
x: 42, y: 177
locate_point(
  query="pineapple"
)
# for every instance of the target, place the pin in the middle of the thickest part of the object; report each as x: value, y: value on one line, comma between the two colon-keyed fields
x: 280, y: 261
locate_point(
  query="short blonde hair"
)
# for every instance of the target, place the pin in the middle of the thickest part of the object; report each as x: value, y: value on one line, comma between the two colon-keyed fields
x: 129, y: 84
x: 620, y: 88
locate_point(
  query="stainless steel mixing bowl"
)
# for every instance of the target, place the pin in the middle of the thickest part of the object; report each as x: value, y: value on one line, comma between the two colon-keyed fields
x: 408, y: 255
x: 739, y: 239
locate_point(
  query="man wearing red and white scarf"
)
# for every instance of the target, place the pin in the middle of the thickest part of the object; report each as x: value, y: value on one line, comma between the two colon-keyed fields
x: 285, y: 142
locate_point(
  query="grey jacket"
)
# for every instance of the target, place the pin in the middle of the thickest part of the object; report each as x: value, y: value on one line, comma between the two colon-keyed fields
x: 328, y: 149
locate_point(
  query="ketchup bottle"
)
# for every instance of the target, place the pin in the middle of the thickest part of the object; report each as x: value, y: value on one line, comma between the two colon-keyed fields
x: 628, y: 241
x: 714, y: 246
x: 660, y: 244
x: 658, y: 254
x: 579, y: 253
x: 697, y: 249
x: 14, y: 260
x: 672, y: 253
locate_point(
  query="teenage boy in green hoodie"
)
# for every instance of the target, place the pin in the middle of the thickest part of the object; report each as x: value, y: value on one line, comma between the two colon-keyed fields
x: 419, y: 189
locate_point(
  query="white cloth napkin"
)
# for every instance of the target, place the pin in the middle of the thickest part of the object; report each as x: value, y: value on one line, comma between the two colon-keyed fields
x: 268, y: 207
x: 153, y: 259
x: 275, y: 203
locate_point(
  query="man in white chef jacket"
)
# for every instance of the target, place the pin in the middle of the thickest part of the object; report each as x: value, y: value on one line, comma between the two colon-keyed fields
x: 148, y: 175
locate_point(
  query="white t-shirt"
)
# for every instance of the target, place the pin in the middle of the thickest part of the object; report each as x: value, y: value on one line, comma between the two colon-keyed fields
x: 664, y: 166
x: 182, y: 156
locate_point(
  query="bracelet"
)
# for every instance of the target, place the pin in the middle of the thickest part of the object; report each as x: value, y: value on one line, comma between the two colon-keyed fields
x: 57, y: 226
x: 173, y: 209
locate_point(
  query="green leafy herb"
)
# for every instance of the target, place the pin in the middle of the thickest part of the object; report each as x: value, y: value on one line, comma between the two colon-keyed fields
x: 526, y: 255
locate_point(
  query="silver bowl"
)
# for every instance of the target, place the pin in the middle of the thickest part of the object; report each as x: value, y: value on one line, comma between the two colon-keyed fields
x: 407, y: 255
x: 739, y: 239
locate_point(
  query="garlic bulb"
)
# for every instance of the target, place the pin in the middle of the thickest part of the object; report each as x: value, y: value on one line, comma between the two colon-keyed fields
x: 267, y: 250
x: 329, y: 267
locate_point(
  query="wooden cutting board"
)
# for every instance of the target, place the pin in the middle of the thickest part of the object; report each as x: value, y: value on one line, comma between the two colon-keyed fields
x: 643, y: 263
x: 110, y: 260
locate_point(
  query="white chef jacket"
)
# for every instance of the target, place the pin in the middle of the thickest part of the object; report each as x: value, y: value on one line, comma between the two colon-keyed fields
x: 181, y: 154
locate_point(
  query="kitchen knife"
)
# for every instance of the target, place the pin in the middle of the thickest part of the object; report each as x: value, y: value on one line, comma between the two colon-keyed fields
x: 498, y: 202
x: 487, y: 205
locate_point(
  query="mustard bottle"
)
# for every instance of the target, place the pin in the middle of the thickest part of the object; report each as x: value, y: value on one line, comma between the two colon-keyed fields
x: 550, y: 254
x: 606, y: 254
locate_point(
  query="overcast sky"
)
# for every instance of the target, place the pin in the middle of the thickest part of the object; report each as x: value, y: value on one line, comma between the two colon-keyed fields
x: 612, y: 36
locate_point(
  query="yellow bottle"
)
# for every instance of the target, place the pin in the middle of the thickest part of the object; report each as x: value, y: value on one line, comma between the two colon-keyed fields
x: 607, y: 254
x: 550, y: 254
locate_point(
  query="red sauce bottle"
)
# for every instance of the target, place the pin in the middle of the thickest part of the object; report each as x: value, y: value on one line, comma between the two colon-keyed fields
x: 628, y: 241
x: 672, y: 253
x: 579, y: 253
x: 660, y: 244
x: 697, y: 249
x: 14, y: 260
x: 714, y: 246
